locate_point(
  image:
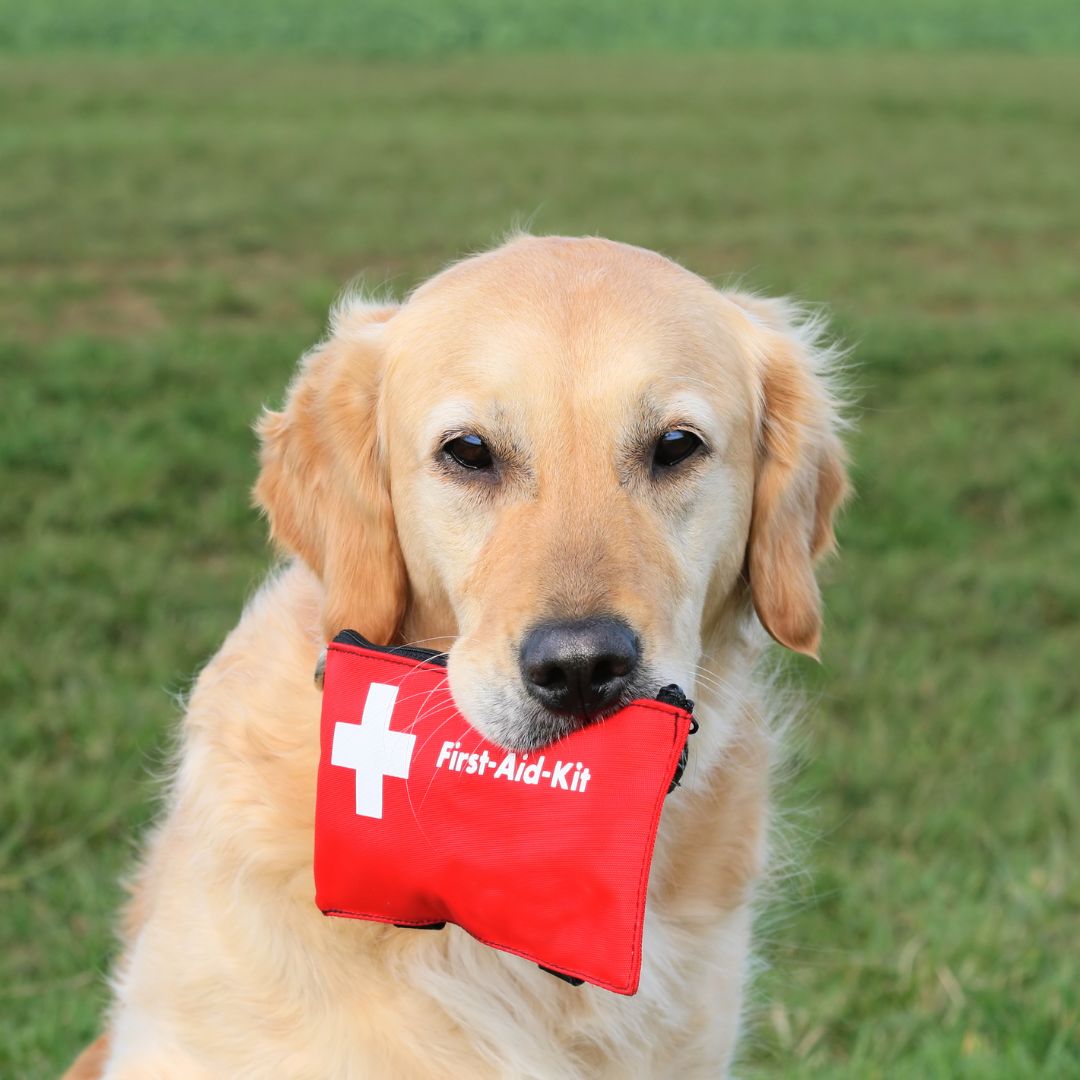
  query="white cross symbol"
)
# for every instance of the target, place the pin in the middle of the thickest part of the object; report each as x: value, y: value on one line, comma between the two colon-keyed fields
x: 373, y: 750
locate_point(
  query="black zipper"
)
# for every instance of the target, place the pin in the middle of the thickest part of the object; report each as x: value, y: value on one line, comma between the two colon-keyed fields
x: 428, y: 656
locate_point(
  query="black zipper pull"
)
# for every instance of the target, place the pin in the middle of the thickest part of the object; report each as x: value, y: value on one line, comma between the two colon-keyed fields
x: 673, y: 695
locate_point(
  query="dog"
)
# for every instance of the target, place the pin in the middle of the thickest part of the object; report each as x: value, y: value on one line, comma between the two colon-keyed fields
x: 586, y: 472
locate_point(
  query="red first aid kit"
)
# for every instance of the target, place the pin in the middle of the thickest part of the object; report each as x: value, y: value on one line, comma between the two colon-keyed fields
x: 420, y: 821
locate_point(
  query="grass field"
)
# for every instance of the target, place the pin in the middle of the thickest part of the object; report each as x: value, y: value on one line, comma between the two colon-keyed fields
x: 173, y: 230
x: 425, y: 28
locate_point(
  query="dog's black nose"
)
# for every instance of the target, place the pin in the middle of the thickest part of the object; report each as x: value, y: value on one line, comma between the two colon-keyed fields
x: 579, y: 667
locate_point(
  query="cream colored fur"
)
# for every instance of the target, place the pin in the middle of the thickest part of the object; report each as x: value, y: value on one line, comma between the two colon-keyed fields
x: 228, y: 969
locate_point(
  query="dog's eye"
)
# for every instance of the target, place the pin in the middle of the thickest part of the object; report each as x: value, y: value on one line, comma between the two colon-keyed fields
x: 469, y: 451
x: 673, y: 447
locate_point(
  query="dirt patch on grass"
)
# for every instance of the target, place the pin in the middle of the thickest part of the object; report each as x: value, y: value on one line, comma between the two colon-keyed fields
x: 121, y: 312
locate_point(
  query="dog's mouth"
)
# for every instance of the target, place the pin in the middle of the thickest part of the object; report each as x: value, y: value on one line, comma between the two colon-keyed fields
x: 519, y: 723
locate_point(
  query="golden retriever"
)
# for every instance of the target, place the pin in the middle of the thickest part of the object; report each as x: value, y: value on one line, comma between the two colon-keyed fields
x: 587, y: 473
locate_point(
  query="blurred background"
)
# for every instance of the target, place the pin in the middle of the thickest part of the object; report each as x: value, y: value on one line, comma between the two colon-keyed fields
x: 185, y: 185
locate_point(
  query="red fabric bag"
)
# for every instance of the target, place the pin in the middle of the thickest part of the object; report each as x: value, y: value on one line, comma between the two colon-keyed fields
x: 420, y: 821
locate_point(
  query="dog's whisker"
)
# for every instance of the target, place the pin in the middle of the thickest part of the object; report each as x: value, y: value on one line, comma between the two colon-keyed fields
x: 420, y: 714
x: 421, y: 641
x: 713, y: 679
x: 426, y: 695
x: 419, y: 693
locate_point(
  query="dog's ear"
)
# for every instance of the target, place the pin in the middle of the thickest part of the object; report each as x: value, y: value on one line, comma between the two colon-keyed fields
x: 801, y: 479
x: 323, y: 482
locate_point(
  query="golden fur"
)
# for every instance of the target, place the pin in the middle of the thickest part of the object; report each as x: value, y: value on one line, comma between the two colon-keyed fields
x: 565, y: 354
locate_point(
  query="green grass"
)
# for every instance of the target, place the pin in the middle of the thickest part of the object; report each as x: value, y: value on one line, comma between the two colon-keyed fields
x: 174, y: 230
x: 405, y: 28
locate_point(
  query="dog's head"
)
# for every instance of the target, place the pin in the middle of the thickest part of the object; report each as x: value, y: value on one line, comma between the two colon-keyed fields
x: 576, y: 457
